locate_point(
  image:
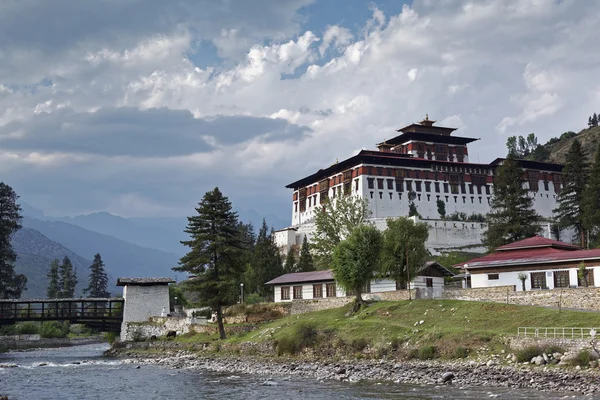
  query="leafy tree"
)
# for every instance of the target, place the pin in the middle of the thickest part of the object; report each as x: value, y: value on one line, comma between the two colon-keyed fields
x: 290, y: 262
x: 356, y: 259
x: 334, y: 222
x: 522, y: 276
x: 53, y: 290
x: 441, y: 208
x: 177, y: 297
x: 582, y: 273
x: 404, y: 251
x: 305, y: 263
x: 594, y: 120
x: 591, y: 201
x: 525, y: 147
x: 412, y: 207
x: 512, y: 216
x: 214, y: 257
x: 266, y: 262
x: 67, y: 279
x: 98, y: 281
x: 569, y: 212
x: 11, y: 283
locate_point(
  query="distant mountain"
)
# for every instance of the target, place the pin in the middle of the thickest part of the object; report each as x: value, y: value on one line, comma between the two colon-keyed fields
x: 160, y: 233
x: 35, y: 253
x: 558, y: 147
x: 122, y: 259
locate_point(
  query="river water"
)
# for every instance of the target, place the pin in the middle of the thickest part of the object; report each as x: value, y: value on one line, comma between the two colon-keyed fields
x: 81, y: 373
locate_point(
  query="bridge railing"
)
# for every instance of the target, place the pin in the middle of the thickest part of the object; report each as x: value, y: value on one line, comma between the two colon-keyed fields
x: 60, y: 309
x: 558, y: 332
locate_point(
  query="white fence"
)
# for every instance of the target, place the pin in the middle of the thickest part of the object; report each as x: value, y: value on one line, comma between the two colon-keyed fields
x: 558, y: 332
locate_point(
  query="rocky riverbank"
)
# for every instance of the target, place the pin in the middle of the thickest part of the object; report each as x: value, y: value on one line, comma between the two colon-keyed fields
x: 458, y: 373
x: 11, y: 343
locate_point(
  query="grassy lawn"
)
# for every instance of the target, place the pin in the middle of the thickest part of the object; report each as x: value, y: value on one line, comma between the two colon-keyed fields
x: 446, y: 325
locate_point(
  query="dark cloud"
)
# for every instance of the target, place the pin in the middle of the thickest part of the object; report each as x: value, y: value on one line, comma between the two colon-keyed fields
x: 136, y: 133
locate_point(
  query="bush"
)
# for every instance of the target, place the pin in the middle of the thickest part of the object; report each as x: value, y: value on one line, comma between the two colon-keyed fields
x: 54, y: 329
x: 110, y: 337
x: 253, y: 298
x: 583, y: 359
x: 304, y: 335
x: 427, y: 353
x: 527, y: 353
x: 359, y: 344
x: 8, y: 330
x: 460, y: 352
x: 27, y: 328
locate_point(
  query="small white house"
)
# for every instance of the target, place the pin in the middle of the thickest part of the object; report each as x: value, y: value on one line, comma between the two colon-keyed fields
x: 545, y: 263
x: 321, y: 284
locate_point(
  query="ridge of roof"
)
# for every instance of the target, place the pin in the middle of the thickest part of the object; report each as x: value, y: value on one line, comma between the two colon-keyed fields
x: 536, y: 242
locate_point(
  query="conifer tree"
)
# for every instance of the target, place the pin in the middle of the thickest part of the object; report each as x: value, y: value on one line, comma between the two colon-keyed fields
x: 215, y: 254
x: 98, y: 281
x: 305, y: 263
x: 266, y: 261
x: 67, y: 279
x: 591, y: 202
x: 569, y: 212
x: 11, y: 283
x: 290, y: 262
x: 512, y: 216
x: 53, y: 289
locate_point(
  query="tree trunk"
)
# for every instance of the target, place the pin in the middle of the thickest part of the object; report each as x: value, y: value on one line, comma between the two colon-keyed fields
x: 220, y: 321
x: 358, y: 302
x: 582, y: 232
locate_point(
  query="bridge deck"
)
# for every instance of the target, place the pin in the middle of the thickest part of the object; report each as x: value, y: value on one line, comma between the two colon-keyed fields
x: 104, y: 313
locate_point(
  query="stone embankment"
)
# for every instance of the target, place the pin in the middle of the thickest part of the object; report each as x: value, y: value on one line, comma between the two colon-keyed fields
x: 459, y: 373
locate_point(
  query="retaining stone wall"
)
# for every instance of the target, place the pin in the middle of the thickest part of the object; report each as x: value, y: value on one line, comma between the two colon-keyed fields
x: 304, y: 306
x: 577, y: 298
x: 571, y: 345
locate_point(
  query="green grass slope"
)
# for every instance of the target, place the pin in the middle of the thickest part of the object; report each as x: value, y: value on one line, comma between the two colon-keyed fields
x: 388, y: 326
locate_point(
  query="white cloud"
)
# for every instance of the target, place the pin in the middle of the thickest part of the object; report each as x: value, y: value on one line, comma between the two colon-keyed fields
x: 499, y: 66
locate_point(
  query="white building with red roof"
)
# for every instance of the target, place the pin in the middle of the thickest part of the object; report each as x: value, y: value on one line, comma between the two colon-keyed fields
x: 424, y: 164
x: 547, y: 264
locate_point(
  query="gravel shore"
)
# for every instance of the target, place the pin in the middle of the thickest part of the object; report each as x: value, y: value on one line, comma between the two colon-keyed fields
x: 458, y: 373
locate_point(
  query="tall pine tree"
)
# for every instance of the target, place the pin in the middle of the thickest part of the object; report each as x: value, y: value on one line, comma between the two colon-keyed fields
x: 305, y: 263
x: 512, y: 216
x: 569, y: 212
x: 67, y: 279
x: 215, y: 254
x: 591, y: 202
x: 290, y: 262
x: 266, y: 262
x: 53, y: 289
x: 11, y: 283
x: 98, y: 281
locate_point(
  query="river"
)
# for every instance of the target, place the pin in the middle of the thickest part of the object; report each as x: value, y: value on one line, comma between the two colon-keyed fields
x: 82, y: 373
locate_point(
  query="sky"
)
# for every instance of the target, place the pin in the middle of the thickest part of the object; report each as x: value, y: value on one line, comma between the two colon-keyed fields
x: 138, y: 107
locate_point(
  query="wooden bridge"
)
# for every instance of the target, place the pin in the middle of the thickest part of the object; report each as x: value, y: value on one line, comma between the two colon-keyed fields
x: 103, y: 314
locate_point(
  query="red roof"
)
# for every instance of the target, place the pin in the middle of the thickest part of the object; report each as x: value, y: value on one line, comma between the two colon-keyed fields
x: 534, y: 250
x: 537, y: 241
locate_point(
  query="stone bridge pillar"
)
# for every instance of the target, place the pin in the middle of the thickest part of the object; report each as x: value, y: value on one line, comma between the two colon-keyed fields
x: 144, y: 298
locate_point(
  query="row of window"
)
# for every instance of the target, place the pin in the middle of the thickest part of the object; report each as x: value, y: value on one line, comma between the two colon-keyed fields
x: 296, y: 291
x: 438, y: 197
x: 448, y: 187
x: 561, y: 279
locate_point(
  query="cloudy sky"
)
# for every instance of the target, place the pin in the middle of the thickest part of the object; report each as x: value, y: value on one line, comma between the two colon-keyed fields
x: 138, y: 107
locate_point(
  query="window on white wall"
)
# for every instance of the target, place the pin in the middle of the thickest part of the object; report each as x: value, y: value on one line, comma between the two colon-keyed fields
x: 493, y: 277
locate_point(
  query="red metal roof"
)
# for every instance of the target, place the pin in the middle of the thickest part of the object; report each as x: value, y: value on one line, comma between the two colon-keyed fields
x: 531, y: 256
x: 537, y: 241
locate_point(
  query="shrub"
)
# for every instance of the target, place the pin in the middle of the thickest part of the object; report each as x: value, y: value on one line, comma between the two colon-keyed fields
x: 54, y: 329
x: 8, y: 330
x: 427, y: 353
x: 395, y: 343
x: 554, y: 349
x: 460, y: 352
x: 28, y: 328
x: 253, y: 298
x: 110, y: 337
x: 304, y: 335
x: 359, y: 344
x: 527, y: 353
x: 583, y: 359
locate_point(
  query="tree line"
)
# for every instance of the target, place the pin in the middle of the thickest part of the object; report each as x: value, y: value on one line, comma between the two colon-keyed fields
x: 62, y: 280
x: 223, y: 252
x: 513, y: 217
